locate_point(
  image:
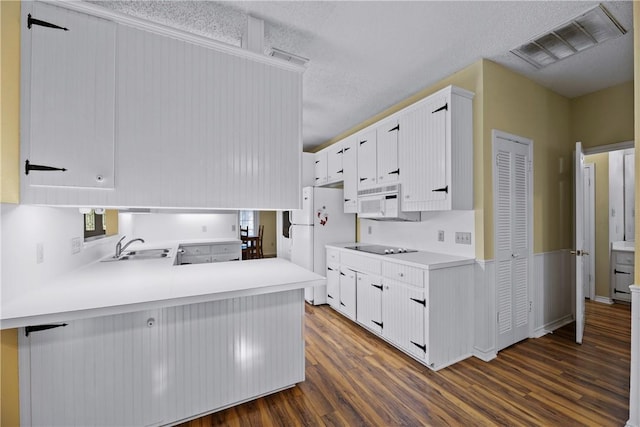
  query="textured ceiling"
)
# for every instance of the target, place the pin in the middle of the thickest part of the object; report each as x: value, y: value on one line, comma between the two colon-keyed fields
x: 366, y: 56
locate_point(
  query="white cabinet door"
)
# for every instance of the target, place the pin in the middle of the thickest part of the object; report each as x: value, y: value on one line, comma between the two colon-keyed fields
x: 350, y: 167
x: 348, y: 293
x: 403, y: 314
x: 366, y: 159
x: 335, y: 172
x: 369, y: 301
x: 321, y: 158
x: 387, y: 152
x: 70, y: 94
x: 102, y: 371
x: 333, y: 286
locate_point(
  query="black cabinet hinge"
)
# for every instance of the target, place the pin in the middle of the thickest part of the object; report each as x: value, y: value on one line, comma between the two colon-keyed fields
x: 395, y: 172
x: 362, y: 142
x: 345, y: 149
x: 445, y: 107
x: 363, y: 179
x: 441, y: 190
x: 347, y: 200
x: 342, y: 274
x: 422, y: 347
x: 397, y: 127
x: 420, y: 301
x: 329, y: 296
x: 377, y: 286
x: 33, y: 21
x: 329, y: 268
x: 342, y: 304
x: 37, y: 328
x: 339, y: 152
x: 340, y: 171
x: 378, y: 323
x: 29, y: 167
x: 620, y: 272
x: 615, y: 291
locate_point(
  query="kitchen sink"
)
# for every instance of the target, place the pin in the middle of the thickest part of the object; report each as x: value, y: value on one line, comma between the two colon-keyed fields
x: 140, y: 254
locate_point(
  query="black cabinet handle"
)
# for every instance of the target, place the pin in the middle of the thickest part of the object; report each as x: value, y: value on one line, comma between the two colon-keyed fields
x: 329, y: 296
x: 395, y: 172
x: 347, y: 200
x: 362, y: 142
x: 345, y: 149
x: 419, y: 301
x: 342, y: 274
x: 620, y: 272
x: 30, y: 167
x: 37, y: 328
x: 378, y: 323
x: 342, y: 304
x: 421, y: 347
x: 397, y: 127
x: 339, y: 152
x: 33, y: 21
x: 363, y: 179
x: 445, y: 107
x: 441, y: 190
x: 377, y: 286
x: 340, y: 171
x: 329, y: 268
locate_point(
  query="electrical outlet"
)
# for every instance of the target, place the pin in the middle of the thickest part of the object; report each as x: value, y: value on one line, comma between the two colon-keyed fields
x: 369, y: 229
x: 463, y: 238
x: 440, y: 235
x: 39, y: 253
x: 76, y: 245
x: 204, y: 228
x: 233, y: 227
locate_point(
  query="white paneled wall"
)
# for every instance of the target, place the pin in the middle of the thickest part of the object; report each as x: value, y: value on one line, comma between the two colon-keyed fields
x: 484, y: 311
x: 634, y: 395
x: 554, y: 300
x: 179, y: 226
x: 23, y: 227
x: 423, y: 235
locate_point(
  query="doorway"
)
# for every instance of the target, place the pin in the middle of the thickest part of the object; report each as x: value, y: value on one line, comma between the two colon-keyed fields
x: 513, y: 236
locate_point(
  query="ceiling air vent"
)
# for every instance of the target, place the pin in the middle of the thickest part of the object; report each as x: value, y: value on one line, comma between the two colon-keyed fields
x: 589, y: 29
x: 289, y: 57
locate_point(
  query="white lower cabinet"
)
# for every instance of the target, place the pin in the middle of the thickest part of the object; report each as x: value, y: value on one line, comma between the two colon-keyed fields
x: 425, y: 312
x: 348, y: 293
x: 333, y: 285
x: 101, y: 371
x: 161, y: 366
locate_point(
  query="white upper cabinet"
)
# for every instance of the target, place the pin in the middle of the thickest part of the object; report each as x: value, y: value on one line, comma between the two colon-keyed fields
x: 436, y: 152
x: 320, y: 167
x: 387, y: 152
x: 71, y: 95
x: 197, y: 124
x: 335, y: 171
x: 366, y: 143
x: 350, y: 167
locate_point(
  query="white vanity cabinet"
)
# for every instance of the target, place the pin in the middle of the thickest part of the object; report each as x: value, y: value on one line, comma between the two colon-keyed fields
x: 423, y: 310
x: 192, y: 123
x: 622, y: 274
x: 70, y: 99
x: 106, y: 370
x: 436, y: 152
x: 350, y: 175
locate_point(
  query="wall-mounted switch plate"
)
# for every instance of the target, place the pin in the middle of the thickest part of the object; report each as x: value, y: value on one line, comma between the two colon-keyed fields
x: 440, y: 235
x: 204, y: 228
x: 233, y: 227
x: 76, y: 245
x: 39, y: 253
x: 463, y: 238
x: 369, y: 229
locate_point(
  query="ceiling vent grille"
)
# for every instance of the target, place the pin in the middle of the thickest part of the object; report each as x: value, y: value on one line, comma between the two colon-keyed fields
x: 289, y: 57
x: 589, y: 29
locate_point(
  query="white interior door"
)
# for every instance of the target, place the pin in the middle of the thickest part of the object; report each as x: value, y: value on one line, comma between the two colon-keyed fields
x: 579, y: 244
x: 589, y: 230
x: 513, y: 245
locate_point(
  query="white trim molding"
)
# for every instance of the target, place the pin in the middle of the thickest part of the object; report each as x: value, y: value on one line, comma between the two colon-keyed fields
x: 634, y: 393
x: 603, y: 300
x: 484, y: 347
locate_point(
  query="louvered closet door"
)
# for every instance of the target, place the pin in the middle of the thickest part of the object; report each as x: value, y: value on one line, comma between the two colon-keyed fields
x: 511, y: 177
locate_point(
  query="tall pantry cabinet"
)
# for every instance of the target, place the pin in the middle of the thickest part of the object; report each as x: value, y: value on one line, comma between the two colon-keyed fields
x: 147, y: 116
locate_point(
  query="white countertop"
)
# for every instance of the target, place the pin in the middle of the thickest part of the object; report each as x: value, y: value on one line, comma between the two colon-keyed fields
x: 104, y: 288
x: 623, y: 246
x: 421, y: 259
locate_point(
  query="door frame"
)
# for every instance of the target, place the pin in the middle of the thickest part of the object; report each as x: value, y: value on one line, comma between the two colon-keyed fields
x: 590, y: 207
x: 516, y: 139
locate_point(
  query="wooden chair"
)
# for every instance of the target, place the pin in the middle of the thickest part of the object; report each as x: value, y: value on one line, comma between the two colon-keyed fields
x: 259, y: 253
x: 246, y: 244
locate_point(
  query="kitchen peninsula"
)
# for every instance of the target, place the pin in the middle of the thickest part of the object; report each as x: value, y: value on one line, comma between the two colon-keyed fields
x: 148, y: 342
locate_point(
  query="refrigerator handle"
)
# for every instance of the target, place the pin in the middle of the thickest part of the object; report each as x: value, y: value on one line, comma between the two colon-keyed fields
x: 291, y: 232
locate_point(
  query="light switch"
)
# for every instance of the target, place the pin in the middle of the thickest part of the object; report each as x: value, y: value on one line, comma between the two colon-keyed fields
x: 39, y: 253
x: 440, y: 235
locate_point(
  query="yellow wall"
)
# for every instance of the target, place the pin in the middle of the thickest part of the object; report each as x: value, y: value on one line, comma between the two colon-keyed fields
x: 268, y: 219
x: 601, y: 258
x: 603, y: 117
x: 9, y: 186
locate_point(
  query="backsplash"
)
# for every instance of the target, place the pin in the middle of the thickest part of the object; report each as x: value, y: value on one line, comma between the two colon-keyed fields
x: 25, y: 228
x: 154, y: 227
x: 423, y: 235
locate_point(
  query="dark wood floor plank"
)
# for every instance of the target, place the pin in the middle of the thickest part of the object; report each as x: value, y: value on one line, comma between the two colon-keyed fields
x: 354, y: 378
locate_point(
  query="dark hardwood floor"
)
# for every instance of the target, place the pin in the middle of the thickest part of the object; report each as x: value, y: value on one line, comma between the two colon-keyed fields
x: 356, y: 379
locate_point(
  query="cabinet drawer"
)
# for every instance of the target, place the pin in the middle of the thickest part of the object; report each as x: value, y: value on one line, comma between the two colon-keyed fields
x: 229, y: 248
x: 224, y: 257
x: 197, y: 250
x: 360, y: 263
x: 624, y: 258
x: 195, y: 259
x: 403, y: 273
x: 333, y: 256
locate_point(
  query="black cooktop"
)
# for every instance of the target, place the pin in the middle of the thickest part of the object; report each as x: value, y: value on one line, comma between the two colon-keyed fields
x: 380, y: 249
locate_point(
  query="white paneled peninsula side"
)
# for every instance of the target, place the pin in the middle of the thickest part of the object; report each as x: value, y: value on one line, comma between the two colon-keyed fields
x: 149, y: 342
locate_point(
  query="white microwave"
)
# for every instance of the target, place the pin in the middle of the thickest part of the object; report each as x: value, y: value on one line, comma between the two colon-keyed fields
x: 383, y: 203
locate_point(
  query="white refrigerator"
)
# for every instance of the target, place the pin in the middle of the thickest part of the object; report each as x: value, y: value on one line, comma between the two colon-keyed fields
x: 320, y: 221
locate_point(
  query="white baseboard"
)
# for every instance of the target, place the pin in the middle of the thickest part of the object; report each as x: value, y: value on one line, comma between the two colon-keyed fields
x: 485, y: 355
x: 603, y: 300
x: 550, y: 327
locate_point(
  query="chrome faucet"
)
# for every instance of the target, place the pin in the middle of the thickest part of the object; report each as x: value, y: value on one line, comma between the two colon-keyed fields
x: 120, y: 248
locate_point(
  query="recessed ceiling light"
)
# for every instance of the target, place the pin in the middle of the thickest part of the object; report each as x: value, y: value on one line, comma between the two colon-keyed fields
x: 290, y: 57
x: 589, y: 29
